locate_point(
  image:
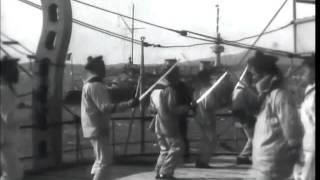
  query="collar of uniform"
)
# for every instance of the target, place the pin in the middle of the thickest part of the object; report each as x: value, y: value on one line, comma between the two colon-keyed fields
x: 241, y: 85
x: 267, y: 84
x: 309, y: 89
x: 94, y: 78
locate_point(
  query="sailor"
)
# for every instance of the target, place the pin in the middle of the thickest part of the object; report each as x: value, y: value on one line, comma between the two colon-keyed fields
x: 184, y: 97
x: 154, y: 105
x: 206, y: 119
x: 167, y: 128
x: 244, y: 103
x: 11, y: 167
x: 278, y: 131
x: 307, y: 117
x: 96, y: 109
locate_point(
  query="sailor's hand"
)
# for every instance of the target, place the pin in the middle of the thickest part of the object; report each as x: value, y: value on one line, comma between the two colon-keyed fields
x: 193, y: 105
x: 133, y: 102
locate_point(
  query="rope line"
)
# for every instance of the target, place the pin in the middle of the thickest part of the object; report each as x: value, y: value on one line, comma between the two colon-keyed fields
x: 24, y: 47
x: 267, y: 32
x: 3, y: 50
x: 95, y: 28
x: 260, y: 35
x: 17, y: 50
x: 183, y: 33
x: 87, y: 25
x: 128, y: 17
x: 31, y: 76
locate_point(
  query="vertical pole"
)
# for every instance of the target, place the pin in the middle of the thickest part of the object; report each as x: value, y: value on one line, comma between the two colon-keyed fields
x: 294, y: 26
x: 132, y: 34
x: 113, y: 126
x: 78, y: 145
x: 141, y: 91
x: 30, y: 64
x: 218, y: 62
x: 72, y: 75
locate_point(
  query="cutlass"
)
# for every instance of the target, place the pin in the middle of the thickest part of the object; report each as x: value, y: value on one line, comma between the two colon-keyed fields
x: 204, y: 95
x: 241, y: 77
x: 154, y: 85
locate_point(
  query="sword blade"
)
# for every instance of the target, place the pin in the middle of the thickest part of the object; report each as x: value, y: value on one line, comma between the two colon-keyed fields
x: 241, y: 77
x: 154, y: 85
x: 204, y: 95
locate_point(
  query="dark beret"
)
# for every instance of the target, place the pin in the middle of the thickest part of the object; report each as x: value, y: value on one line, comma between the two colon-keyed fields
x: 262, y: 61
x: 94, y: 63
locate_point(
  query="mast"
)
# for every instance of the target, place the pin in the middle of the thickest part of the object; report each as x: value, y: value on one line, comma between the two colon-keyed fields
x: 218, y: 49
x: 294, y: 26
x: 142, y: 107
x: 132, y: 35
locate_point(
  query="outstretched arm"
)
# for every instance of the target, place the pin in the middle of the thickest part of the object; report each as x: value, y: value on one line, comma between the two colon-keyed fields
x: 101, y: 98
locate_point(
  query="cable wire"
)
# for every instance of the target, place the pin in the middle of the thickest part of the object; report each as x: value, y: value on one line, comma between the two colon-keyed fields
x: 268, y: 32
x: 185, y: 46
x: 95, y: 28
x: 87, y: 25
x: 125, y: 38
x: 31, y: 76
x: 183, y: 33
x: 258, y: 38
x: 3, y: 50
x: 17, y: 50
x: 24, y: 47
x: 128, y: 17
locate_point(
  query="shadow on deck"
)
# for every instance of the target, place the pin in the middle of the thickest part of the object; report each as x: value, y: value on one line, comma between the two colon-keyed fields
x: 224, y: 167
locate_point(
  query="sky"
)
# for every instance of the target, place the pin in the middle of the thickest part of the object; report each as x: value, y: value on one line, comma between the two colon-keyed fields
x: 237, y: 19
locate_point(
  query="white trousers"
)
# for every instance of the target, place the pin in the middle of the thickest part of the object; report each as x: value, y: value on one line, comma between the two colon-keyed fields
x: 101, y: 168
x: 305, y: 170
x: 171, y: 151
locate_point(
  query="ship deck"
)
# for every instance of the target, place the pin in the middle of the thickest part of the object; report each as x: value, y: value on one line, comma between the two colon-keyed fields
x: 224, y: 167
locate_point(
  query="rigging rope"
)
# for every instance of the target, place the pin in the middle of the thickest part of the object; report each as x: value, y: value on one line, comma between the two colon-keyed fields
x: 31, y: 76
x: 3, y: 50
x: 17, y: 50
x: 268, y: 32
x: 87, y: 25
x: 183, y: 33
x: 260, y: 35
x: 128, y: 17
x: 24, y: 47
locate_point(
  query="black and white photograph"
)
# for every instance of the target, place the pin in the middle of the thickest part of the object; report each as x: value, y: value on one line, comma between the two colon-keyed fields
x: 157, y: 90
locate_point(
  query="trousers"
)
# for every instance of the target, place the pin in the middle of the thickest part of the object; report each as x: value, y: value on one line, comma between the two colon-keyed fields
x: 247, y: 149
x: 208, y: 142
x: 305, y: 170
x: 171, y: 152
x: 101, y: 168
x: 11, y: 166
